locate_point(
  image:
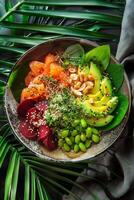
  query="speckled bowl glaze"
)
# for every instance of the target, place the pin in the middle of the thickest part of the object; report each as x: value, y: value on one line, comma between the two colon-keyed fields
x: 35, y: 53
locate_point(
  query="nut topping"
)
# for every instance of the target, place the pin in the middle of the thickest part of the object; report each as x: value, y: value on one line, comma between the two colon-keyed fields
x: 76, y: 92
x: 74, y: 77
x: 72, y: 70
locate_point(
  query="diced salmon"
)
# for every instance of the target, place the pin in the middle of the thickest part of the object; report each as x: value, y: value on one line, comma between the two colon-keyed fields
x: 55, y: 70
x: 30, y: 76
x: 37, y: 67
x: 49, y: 58
x: 37, y: 80
x: 33, y: 92
x: 64, y: 79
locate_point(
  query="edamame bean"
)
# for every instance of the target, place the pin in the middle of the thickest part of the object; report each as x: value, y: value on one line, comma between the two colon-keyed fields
x: 74, y: 133
x: 95, y: 131
x: 77, y: 139
x: 76, y: 148
x: 60, y: 142
x: 66, y: 147
x: 95, y: 138
x: 82, y: 147
x: 64, y: 133
x: 83, y: 123
x: 89, y: 132
x: 68, y: 141
x: 83, y: 137
x: 75, y: 122
x: 88, y: 143
x: 72, y: 139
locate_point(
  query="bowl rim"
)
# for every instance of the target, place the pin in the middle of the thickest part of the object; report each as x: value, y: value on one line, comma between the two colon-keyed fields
x: 46, y: 157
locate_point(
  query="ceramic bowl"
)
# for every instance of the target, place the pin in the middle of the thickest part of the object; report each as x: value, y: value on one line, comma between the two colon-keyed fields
x: 36, y: 53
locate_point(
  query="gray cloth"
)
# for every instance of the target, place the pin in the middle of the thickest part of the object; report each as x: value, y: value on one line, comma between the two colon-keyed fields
x: 115, y: 167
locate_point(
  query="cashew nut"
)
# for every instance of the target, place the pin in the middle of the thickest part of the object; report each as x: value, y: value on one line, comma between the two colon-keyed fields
x: 76, y: 92
x: 77, y: 85
x: 90, y: 84
x: 72, y: 70
x: 87, y: 89
x: 74, y: 77
x: 82, y: 87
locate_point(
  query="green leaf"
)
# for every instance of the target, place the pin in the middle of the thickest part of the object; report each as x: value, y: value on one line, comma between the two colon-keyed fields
x: 8, y: 5
x: 11, y: 49
x: 40, y: 192
x: 88, y: 3
x: 94, y: 16
x: 15, y: 178
x: 33, y: 186
x: 74, y: 54
x: 100, y: 55
x: 116, y: 72
x: 27, y: 183
x: 9, y: 175
x: 62, y: 30
x: 120, y: 112
x: 2, y: 88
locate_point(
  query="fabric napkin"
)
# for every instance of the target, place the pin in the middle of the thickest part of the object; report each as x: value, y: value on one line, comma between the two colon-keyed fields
x: 115, y: 168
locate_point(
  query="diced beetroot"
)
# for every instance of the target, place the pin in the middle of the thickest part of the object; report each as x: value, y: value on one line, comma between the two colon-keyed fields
x: 44, y: 131
x: 41, y: 106
x: 50, y: 142
x: 24, y: 107
x: 27, y: 130
x: 33, y: 116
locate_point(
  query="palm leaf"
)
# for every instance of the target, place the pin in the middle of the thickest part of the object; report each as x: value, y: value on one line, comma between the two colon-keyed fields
x: 40, y: 21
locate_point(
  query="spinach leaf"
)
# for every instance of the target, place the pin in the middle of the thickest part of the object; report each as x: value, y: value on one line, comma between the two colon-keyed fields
x: 99, y: 55
x: 74, y: 54
x: 116, y: 72
x: 119, y: 113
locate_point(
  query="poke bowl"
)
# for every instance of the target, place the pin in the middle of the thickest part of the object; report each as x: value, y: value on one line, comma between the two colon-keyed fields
x: 67, y: 99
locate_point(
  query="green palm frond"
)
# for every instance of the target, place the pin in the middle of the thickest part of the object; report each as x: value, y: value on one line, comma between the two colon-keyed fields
x: 28, y: 23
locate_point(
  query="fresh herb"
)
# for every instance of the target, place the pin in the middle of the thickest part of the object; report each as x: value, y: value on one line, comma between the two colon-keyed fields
x: 62, y: 110
x: 74, y: 55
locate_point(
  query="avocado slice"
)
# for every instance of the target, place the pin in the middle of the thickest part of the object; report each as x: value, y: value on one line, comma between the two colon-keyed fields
x: 106, y: 89
x: 96, y: 73
x: 102, y: 110
x: 96, y: 97
x: 104, y: 95
x: 106, y: 86
x: 99, y: 122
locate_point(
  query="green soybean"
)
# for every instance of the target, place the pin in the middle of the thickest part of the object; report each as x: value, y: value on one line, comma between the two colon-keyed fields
x: 66, y: 147
x: 76, y: 148
x: 95, y: 138
x: 72, y: 139
x: 77, y: 139
x: 89, y: 132
x: 75, y: 122
x: 83, y: 123
x: 95, y: 131
x: 64, y: 133
x: 74, y: 133
x: 88, y: 143
x: 83, y: 137
x: 60, y: 142
x: 82, y: 147
x: 68, y: 141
